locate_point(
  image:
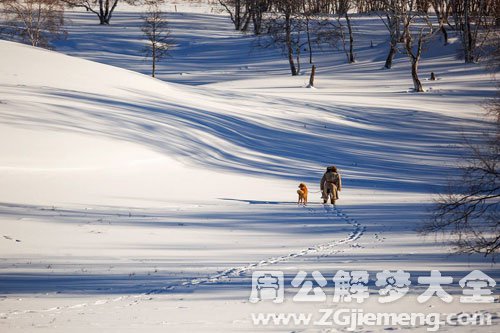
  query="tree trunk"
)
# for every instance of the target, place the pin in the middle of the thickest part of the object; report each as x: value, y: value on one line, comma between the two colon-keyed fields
x: 292, y: 65
x: 101, y: 12
x: 257, y: 22
x: 309, y: 43
x: 467, y: 35
x: 415, y: 58
x: 297, y: 55
x: 351, y: 38
x: 445, y: 34
x: 237, y: 15
x: 246, y: 24
x: 393, y: 25
x: 246, y: 17
x: 392, y: 52
x: 497, y: 14
x: 417, y: 85
x: 414, y: 55
x: 440, y: 12
x: 288, y: 37
x: 311, y: 78
x: 153, y: 57
x: 112, y: 11
x: 105, y: 12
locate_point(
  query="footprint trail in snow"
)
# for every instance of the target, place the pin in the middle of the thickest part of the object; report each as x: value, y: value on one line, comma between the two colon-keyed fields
x: 332, y: 213
x: 324, y: 248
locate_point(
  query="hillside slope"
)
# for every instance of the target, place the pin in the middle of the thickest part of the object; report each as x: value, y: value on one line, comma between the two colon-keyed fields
x: 75, y: 131
x: 242, y: 130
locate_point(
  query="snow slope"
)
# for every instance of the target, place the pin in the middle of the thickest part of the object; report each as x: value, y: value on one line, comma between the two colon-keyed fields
x: 129, y: 203
x: 102, y: 132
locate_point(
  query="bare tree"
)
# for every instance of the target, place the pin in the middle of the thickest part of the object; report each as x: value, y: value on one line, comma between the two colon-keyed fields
x: 391, y: 17
x: 308, y: 14
x: 104, y: 9
x: 493, y: 54
x: 155, y: 28
x: 470, y: 210
x: 312, y: 76
x: 344, y: 6
x: 284, y: 28
x: 414, y: 42
x: 311, y: 22
x: 36, y: 22
x: 472, y: 18
x: 442, y: 11
x: 410, y: 26
x: 238, y: 11
x: 257, y: 10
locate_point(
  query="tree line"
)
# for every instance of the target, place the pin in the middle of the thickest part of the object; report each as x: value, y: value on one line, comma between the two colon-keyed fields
x: 298, y: 25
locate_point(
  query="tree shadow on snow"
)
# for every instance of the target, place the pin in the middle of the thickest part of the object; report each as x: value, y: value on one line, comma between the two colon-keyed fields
x: 382, y: 148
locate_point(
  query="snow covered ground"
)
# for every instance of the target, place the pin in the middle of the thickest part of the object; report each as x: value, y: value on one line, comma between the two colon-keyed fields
x: 130, y: 203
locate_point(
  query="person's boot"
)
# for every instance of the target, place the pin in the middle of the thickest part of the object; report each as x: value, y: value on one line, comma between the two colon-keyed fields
x: 333, y: 201
x: 324, y: 201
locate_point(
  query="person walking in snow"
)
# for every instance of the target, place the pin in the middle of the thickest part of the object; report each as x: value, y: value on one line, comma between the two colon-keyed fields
x: 331, y: 185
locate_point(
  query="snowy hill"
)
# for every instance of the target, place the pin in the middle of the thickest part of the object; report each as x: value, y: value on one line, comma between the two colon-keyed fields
x: 166, y: 124
x: 131, y: 203
x: 97, y: 130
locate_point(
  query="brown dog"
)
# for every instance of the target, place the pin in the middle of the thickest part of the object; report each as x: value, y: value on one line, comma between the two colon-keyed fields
x: 302, y: 192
